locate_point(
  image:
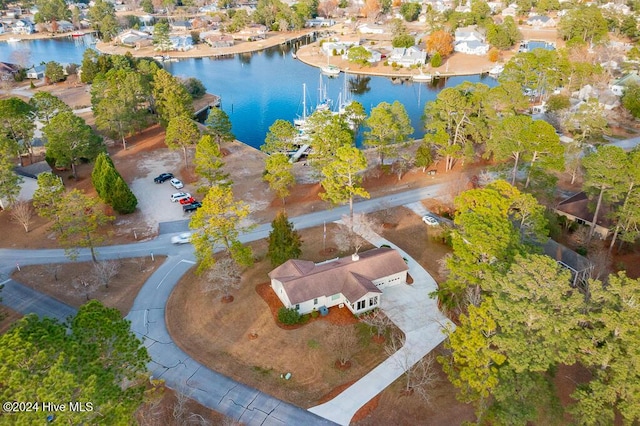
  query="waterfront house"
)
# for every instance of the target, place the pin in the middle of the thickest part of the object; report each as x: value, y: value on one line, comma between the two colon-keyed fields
x: 251, y: 33
x: 134, y: 38
x: 407, y: 57
x: 8, y: 71
x: 355, y: 281
x: 61, y: 27
x: 471, y: 47
x: 218, y: 40
x: 339, y: 47
x: 36, y: 72
x: 23, y: 26
x: 1, y: 28
x: 470, y: 41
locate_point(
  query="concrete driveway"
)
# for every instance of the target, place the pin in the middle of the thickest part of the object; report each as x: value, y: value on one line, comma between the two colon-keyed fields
x: 408, y: 306
x: 417, y: 315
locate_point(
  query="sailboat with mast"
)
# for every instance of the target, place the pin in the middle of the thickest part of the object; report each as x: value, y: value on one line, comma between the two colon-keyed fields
x: 330, y: 70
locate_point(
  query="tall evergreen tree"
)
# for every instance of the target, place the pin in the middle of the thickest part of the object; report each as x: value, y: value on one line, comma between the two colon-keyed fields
x: 284, y: 241
x: 111, y: 187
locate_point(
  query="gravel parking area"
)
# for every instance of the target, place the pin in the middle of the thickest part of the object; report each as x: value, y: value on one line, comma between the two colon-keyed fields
x: 153, y: 198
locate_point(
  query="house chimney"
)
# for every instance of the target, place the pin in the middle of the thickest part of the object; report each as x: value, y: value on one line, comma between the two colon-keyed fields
x: 355, y: 257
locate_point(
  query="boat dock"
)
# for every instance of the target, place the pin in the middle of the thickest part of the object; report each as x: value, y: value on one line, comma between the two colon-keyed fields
x: 302, y: 150
x: 205, y: 103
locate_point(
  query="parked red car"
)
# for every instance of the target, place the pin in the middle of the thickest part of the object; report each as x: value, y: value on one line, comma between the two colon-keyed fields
x: 187, y: 200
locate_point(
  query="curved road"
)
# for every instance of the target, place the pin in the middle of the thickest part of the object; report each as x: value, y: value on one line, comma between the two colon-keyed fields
x: 169, y: 362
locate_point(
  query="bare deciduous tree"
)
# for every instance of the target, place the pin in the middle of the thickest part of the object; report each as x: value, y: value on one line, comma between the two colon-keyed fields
x: 223, y: 277
x: 378, y: 321
x: 452, y: 189
x: 600, y: 259
x: 344, y: 343
x: 402, y: 164
x: 353, y: 233
x: 21, y: 213
x: 420, y: 376
x: 85, y: 284
x: 105, y: 270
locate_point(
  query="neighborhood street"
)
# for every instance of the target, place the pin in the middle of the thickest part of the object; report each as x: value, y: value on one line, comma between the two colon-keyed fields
x: 407, y: 306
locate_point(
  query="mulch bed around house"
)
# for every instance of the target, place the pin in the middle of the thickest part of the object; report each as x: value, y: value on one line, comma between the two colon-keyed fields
x: 335, y: 316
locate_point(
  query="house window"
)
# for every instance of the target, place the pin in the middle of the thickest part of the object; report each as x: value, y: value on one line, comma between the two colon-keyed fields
x: 315, y: 301
x: 335, y: 296
x: 297, y: 307
x: 361, y: 304
x: 373, y: 301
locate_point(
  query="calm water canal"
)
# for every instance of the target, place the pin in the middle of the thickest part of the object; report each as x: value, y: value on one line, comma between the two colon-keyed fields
x: 259, y: 88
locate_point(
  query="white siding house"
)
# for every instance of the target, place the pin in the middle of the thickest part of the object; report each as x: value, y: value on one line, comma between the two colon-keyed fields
x: 355, y: 281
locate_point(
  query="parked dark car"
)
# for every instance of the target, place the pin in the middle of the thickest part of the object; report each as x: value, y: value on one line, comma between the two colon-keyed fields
x: 163, y: 177
x: 190, y: 208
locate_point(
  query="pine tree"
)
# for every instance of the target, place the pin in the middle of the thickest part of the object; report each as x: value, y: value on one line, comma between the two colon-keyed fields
x: 284, y: 241
x: 111, y: 187
x: 122, y: 199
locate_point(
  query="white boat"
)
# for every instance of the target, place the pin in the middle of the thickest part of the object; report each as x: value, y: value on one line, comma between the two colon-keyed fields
x: 421, y: 76
x: 330, y: 70
x: 496, y: 71
x: 13, y: 40
x: 301, y: 121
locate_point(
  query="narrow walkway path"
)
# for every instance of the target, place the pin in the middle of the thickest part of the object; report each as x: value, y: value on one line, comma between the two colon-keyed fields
x: 417, y: 315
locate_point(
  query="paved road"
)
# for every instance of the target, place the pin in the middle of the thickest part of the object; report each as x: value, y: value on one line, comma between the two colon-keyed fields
x: 147, y: 314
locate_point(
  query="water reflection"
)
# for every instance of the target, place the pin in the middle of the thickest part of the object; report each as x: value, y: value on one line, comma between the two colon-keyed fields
x: 359, y: 84
x: 257, y: 89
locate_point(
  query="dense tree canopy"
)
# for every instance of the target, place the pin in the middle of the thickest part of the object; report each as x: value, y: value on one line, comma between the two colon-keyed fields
x: 182, y: 133
x: 17, y: 123
x: 280, y: 137
x: 70, y: 139
x: 95, y: 359
x: 584, y: 23
x: 171, y: 98
x: 456, y: 121
x: 52, y: 10
x: 389, y: 129
x: 219, y: 222
x: 46, y: 106
x: 279, y: 174
x: 343, y: 177
x: 209, y: 165
x: 103, y: 19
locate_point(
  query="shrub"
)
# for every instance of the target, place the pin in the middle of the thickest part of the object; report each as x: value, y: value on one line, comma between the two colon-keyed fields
x: 436, y: 60
x: 315, y: 314
x: 494, y: 54
x: 288, y: 316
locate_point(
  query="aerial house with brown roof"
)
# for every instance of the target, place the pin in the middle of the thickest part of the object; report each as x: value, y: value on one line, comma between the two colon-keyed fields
x: 355, y: 281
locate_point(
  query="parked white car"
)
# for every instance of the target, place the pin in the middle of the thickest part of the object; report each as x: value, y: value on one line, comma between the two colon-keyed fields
x: 183, y: 238
x: 430, y: 220
x: 179, y: 196
x: 176, y: 183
